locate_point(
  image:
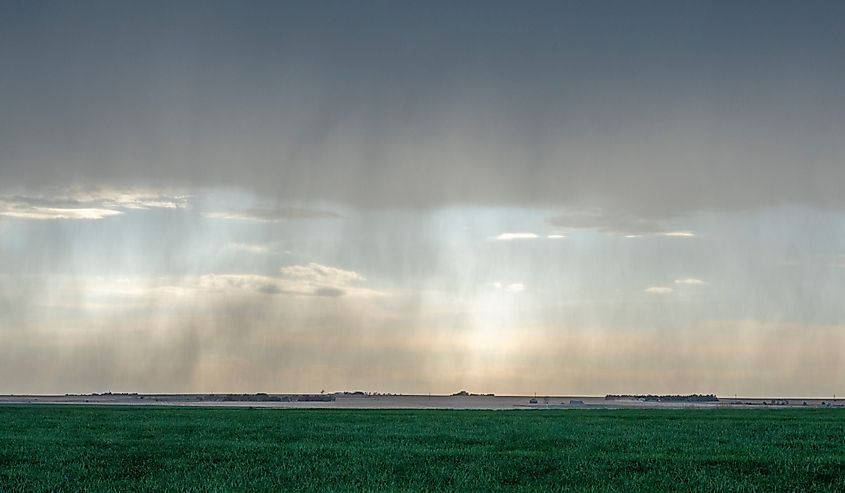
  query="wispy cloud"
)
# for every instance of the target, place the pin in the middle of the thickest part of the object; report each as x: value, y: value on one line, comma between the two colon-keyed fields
x: 517, y: 236
x: 321, y: 275
x: 661, y: 290
x: 527, y: 236
x: 297, y: 280
x: 614, y: 223
x: 312, y: 279
x: 252, y: 248
x: 514, y: 287
x: 22, y: 212
x: 131, y: 199
x: 88, y: 203
x: 271, y: 215
x: 690, y: 281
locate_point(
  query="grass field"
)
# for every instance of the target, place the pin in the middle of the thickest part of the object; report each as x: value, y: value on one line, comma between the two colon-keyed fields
x: 58, y: 448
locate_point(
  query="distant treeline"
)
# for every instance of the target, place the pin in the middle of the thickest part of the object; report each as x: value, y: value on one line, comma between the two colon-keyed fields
x: 665, y: 398
x: 103, y: 394
x: 464, y: 393
x: 262, y: 397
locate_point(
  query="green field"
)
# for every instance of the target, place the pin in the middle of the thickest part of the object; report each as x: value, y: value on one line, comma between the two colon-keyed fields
x: 59, y: 448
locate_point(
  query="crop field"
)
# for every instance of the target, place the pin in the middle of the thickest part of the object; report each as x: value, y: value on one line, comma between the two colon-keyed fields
x: 109, y: 448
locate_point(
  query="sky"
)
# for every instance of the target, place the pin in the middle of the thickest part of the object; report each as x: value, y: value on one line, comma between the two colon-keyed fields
x: 567, y: 198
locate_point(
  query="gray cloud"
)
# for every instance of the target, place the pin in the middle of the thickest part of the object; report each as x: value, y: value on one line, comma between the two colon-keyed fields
x: 269, y: 289
x: 648, y: 108
x: 330, y: 292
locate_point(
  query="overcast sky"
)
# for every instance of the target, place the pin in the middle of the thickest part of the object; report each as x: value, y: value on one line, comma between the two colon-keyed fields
x: 517, y: 197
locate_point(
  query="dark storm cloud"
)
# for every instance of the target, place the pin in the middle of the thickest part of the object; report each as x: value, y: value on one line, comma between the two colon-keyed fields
x: 652, y: 107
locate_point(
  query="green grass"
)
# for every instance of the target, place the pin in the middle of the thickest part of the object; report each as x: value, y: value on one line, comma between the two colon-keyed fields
x: 58, y: 448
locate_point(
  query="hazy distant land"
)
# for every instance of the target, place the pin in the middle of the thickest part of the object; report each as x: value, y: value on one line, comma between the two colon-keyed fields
x: 461, y: 400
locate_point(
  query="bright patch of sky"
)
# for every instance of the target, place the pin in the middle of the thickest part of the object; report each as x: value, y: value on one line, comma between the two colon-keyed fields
x: 427, y: 273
